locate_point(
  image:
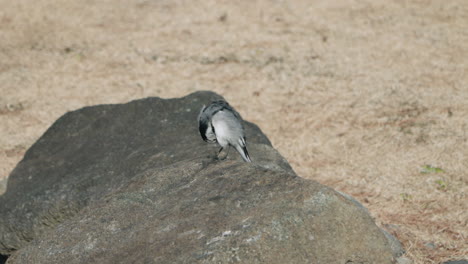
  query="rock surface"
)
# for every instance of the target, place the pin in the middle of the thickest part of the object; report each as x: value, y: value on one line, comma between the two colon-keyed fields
x: 134, y: 183
x: 456, y: 262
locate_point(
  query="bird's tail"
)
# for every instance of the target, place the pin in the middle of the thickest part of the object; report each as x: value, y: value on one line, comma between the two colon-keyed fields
x: 242, y: 149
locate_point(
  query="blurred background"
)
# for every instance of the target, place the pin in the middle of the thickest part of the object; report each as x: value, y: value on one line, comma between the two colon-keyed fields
x: 369, y: 97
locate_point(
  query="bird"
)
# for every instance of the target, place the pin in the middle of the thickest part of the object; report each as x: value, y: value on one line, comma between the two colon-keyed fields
x: 221, y: 123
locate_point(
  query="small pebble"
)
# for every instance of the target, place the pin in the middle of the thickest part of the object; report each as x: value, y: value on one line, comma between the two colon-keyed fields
x: 430, y: 245
x: 404, y: 260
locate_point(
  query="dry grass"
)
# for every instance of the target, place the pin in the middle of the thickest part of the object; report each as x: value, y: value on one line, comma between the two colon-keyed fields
x: 359, y: 95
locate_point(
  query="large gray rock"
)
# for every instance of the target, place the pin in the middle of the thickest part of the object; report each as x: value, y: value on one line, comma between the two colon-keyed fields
x: 134, y: 183
x: 90, y: 152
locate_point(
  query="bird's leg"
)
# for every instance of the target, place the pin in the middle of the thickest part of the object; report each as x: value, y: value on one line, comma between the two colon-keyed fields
x: 223, y: 153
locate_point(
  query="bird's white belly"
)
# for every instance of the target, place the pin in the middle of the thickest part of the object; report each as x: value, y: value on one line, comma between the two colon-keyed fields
x: 222, y: 132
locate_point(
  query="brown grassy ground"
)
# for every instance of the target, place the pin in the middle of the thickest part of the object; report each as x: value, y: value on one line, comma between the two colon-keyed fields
x: 359, y: 95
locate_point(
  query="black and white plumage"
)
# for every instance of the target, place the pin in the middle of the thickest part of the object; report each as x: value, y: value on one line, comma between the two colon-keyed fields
x: 219, y: 122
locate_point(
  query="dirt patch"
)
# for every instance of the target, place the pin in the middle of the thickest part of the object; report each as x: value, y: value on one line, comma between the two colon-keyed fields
x: 360, y: 95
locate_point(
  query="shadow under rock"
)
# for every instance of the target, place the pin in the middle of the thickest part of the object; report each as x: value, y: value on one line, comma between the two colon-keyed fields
x: 3, y: 259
